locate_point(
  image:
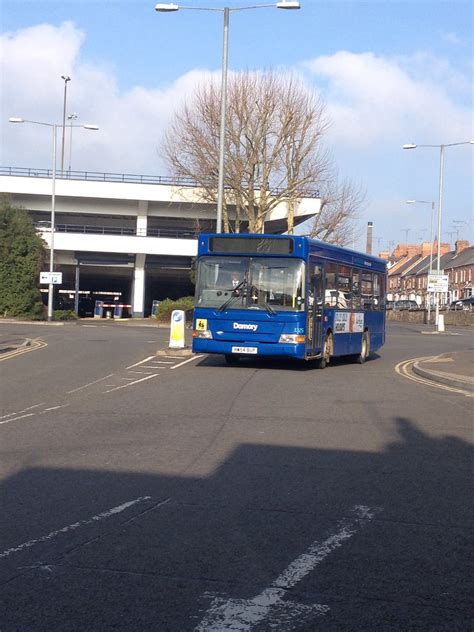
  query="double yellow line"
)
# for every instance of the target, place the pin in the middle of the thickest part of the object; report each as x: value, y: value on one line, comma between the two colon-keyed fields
x: 32, y: 346
x: 405, y: 369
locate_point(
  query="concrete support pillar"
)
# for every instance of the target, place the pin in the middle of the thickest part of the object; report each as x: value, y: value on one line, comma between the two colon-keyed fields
x: 76, y: 288
x: 142, y: 218
x: 138, y: 294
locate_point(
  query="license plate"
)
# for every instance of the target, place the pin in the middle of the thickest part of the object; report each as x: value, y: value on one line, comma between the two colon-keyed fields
x: 250, y: 350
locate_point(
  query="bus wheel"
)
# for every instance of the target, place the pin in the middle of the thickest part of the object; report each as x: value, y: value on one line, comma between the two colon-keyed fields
x: 364, y: 349
x: 230, y: 358
x: 323, y: 361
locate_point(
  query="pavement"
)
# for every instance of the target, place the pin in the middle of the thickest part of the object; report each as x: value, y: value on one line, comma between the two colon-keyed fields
x: 454, y: 369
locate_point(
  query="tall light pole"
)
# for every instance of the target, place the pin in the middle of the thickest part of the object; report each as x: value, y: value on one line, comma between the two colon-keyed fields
x: 71, y: 117
x: 168, y: 7
x: 66, y: 78
x: 440, y: 203
x: 54, y: 127
x: 431, y: 247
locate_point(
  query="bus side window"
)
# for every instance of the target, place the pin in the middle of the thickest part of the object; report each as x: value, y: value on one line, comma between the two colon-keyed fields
x: 344, y: 287
x: 377, y: 292
x: 356, y: 299
x: 367, y: 290
x: 330, y: 284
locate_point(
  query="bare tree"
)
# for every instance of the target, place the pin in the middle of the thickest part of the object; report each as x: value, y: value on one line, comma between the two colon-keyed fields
x: 273, y: 149
x: 341, y: 205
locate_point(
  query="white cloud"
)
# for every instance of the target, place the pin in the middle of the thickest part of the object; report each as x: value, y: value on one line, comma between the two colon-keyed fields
x: 374, y: 99
x: 131, y: 122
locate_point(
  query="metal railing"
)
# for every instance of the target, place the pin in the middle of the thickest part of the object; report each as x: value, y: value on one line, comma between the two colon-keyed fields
x: 97, y: 176
x: 88, y: 229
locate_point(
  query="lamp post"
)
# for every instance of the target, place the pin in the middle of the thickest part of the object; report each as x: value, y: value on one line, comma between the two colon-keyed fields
x: 54, y: 127
x: 66, y: 79
x: 168, y: 7
x: 440, y: 204
x: 71, y: 117
x: 431, y: 246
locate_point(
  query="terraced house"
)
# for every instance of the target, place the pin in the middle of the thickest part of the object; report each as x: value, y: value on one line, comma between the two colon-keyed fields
x: 408, y: 274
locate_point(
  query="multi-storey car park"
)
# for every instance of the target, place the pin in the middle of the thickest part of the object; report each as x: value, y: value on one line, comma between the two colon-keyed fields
x: 130, y: 236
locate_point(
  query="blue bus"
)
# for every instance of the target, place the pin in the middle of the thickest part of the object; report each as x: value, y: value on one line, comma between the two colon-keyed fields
x: 287, y: 296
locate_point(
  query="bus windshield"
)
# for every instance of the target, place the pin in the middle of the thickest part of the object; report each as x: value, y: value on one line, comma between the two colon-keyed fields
x: 266, y: 283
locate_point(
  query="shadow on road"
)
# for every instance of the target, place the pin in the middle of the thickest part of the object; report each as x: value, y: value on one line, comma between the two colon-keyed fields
x: 277, y: 538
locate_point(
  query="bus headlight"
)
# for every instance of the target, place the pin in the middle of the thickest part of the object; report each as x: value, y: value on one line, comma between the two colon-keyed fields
x: 291, y: 338
x: 205, y: 333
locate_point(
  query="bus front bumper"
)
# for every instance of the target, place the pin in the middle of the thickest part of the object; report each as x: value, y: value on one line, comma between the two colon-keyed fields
x: 249, y: 348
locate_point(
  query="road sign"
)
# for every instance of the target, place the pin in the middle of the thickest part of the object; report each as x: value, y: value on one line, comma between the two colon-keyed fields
x: 438, y: 282
x: 56, y: 278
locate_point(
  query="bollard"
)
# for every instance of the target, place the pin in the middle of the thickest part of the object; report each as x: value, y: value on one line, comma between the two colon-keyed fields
x: 441, y: 322
x: 177, y: 329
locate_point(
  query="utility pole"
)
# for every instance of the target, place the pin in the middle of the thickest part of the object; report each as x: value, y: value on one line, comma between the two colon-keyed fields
x: 66, y: 78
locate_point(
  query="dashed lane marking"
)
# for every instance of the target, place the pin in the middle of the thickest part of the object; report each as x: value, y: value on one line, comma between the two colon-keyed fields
x: 79, y: 388
x: 7, y: 421
x: 143, y: 379
x: 80, y: 523
x: 23, y: 411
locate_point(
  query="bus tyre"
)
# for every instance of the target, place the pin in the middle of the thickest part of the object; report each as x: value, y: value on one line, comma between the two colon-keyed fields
x: 323, y: 361
x: 364, y: 349
x: 230, y: 358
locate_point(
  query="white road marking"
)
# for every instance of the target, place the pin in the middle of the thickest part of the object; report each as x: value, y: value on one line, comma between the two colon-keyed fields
x: 23, y: 411
x: 74, y: 390
x: 146, y: 366
x: 162, y: 362
x: 117, y: 388
x: 47, y: 410
x: 176, y: 366
x: 141, y: 362
x: 7, y: 421
x: 272, y: 606
x: 141, y: 372
x: 89, y: 325
x: 75, y: 525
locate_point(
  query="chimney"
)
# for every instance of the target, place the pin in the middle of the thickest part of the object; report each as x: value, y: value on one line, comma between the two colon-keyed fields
x: 461, y: 245
x: 425, y: 248
x: 368, y: 249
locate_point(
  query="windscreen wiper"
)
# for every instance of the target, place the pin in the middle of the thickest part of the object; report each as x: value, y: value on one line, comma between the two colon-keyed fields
x: 235, y: 294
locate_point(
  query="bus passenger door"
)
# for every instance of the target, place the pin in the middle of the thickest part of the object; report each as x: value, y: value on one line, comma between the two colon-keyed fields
x: 315, y: 307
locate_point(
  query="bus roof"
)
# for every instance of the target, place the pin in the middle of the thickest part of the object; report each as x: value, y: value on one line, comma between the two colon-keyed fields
x: 302, y: 246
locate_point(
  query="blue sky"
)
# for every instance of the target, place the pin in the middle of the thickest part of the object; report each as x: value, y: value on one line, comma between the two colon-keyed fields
x: 389, y: 73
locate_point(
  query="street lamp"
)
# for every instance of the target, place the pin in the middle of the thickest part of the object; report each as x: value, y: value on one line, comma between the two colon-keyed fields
x: 440, y: 203
x: 54, y: 127
x: 168, y: 7
x: 71, y: 117
x: 431, y: 245
x: 66, y: 79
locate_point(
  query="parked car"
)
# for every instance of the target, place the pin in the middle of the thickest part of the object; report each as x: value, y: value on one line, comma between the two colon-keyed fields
x: 468, y: 303
x: 389, y: 304
x: 404, y: 305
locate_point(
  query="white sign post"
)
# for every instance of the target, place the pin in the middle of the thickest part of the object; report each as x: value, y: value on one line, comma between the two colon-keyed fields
x: 438, y: 283
x: 54, y: 278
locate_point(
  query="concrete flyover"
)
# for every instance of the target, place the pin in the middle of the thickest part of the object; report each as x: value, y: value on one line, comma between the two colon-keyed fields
x: 123, y: 235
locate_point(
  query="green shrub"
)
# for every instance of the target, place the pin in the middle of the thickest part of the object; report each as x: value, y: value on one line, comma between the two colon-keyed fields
x: 186, y: 303
x: 22, y: 252
x: 64, y: 314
